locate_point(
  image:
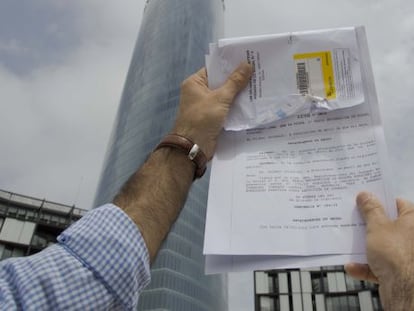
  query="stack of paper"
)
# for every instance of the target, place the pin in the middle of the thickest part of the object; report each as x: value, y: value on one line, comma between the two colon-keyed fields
x: 301, y: 141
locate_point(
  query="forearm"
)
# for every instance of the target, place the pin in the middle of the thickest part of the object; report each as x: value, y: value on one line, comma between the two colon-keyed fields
x: 155, y: 194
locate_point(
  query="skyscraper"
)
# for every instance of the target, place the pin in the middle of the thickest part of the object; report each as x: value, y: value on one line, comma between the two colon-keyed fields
x: 171, y: 45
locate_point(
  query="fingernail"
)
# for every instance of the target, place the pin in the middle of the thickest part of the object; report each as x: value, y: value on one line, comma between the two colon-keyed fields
x: 348, y: 266
x: 363, y: 198
x: 245, y: 68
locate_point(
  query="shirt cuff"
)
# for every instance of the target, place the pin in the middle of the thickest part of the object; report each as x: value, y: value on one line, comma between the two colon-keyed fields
x: 109, y: 243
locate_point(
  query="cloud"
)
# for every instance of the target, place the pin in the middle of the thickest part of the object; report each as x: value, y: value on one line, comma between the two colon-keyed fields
x: 36, y: 33
x: 58, y: 111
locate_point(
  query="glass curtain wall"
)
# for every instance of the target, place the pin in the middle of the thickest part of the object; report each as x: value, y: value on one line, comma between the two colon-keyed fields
x: 171, y: 45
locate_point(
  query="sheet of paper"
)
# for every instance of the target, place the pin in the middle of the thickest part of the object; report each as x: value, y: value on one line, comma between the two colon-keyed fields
x: 223, y: 264
x: 271, y: 182
x: 288, y: 188
x: 308, y: 71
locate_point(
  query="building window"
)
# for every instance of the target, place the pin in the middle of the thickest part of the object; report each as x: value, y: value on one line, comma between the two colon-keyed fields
x: 317, y: 289
x: 7, y: 252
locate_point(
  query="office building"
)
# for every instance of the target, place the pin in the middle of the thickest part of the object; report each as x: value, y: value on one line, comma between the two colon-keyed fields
x: 171, y: 45
x: 321, y: 289
x: 29, y: 224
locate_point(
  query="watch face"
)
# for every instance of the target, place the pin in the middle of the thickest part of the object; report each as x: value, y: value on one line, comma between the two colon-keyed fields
x: 194, y: 152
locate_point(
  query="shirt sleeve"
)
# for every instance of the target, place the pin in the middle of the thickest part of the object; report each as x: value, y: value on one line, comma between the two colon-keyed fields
x: 100, y: 262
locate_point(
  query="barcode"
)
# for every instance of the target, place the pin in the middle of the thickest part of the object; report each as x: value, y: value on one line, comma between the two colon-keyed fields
x: 302, y: 78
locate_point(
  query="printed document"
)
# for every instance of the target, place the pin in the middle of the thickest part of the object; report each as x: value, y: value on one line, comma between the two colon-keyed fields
x: 300, y: 142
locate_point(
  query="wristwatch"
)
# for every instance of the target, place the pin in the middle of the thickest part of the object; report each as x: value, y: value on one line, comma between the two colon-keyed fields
x: 192, y: 150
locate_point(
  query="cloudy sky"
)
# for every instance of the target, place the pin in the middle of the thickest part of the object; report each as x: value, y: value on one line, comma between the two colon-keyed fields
x: 63, y: 65
x: 62, y: 69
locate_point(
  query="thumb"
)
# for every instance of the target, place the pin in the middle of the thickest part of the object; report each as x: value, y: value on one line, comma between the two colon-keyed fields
x: 360, y: 272
x: 237, y: 81
x: 371, y: 209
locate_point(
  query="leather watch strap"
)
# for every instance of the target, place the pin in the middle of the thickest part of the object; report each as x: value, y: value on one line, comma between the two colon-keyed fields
x: 192, y: 150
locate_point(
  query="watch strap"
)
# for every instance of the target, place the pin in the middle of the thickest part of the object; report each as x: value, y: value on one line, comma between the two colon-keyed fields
x: 192, y: 150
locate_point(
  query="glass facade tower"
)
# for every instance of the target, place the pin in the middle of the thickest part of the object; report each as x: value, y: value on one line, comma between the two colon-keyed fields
x: 171, y: 45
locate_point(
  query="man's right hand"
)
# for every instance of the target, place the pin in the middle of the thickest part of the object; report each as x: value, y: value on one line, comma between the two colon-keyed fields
x: 202, y: 111
x: 390, y: 252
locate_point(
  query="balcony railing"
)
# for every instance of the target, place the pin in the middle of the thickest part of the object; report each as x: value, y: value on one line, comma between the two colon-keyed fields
x: 20, y: 199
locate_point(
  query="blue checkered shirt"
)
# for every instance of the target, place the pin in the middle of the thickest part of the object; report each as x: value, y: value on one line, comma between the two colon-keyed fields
x: 99, y: 263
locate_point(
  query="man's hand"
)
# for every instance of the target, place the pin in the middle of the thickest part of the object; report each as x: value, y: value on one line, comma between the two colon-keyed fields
x: 203, y: 111
x: 390, y: 252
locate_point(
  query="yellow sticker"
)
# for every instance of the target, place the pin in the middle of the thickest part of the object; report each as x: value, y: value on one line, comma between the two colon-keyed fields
x: 315, y: 74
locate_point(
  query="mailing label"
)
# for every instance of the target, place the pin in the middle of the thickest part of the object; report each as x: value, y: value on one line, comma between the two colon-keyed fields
x: 315, y: 74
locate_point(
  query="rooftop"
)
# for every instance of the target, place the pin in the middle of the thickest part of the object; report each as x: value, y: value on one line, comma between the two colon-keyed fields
x: 43, y: 204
